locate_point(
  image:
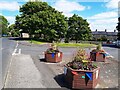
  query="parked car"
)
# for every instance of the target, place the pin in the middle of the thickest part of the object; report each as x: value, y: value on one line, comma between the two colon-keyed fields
x: 118, y: 43
x: 114, y: 42
x: 4, y: 35
x: 109, y: 42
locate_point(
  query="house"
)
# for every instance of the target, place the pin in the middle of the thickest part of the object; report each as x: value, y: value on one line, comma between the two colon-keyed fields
x: 108, y: 35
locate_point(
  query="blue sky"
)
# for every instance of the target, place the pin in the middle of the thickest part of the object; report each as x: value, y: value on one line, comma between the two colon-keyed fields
x: 101, y: 14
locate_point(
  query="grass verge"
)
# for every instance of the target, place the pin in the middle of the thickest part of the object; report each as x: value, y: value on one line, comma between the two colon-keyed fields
x: 36, y: 42
x: 83, y: 45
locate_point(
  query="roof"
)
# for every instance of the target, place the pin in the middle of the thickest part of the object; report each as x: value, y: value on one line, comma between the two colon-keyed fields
x: 104, y: 33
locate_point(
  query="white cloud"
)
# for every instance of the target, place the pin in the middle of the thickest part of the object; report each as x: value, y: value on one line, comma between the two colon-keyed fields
x: 112, y: 4
x: 105, y: 15
x: 11, y: 6
x: 68, y: 14
x: 102, y: 21
x: 11, y: 19
x: 101, y: 25
x: 68, y: 7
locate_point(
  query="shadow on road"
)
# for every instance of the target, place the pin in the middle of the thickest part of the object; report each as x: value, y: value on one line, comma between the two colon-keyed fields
x: 17, y: 38
x: 42, y: 60
x: 60, y: 79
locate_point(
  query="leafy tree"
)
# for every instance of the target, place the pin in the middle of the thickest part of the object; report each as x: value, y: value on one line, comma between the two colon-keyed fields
x: 3, y: 25
x: 118, y: 28
x: 40, y: 18
x: 13, y: 32
x: 103, y: 38
x: 78, y: 29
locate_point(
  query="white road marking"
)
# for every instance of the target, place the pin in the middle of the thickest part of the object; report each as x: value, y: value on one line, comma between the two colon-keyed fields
x: 16, y: 45
x: 1, y: 48
x: 19, y: 51
x: 15, y: 50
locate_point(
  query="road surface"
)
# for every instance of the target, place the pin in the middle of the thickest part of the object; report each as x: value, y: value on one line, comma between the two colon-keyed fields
x: 6, y: 55
x: 28, y: 70
x: 113, y: 52
x: 0, y: 63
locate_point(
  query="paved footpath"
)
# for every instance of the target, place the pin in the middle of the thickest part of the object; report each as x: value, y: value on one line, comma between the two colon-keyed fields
x: 23, y: 73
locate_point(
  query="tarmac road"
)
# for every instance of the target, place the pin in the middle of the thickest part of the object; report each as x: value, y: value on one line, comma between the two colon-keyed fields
x: 6, y: 50
x: 26, y: 71
x: 49, y: 75
x: 113, y: 51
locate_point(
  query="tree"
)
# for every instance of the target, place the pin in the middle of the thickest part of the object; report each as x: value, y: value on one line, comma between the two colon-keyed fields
x: 78, y: 29
x: 40, y: 18
x: 3, y: 25
x: 13, y: 32
x: 118, y: 28
x: 103, y: 38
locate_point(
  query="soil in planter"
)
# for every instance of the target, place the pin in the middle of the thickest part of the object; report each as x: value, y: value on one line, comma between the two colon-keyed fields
x: 77, y: 65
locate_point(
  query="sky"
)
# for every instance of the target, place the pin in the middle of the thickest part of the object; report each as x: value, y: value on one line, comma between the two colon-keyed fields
x: 101, y: 14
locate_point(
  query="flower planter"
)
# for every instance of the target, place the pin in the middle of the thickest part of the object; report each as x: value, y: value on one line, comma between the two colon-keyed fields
x: 97, y: 56
x: 53, y: 57
x: 81, y: 79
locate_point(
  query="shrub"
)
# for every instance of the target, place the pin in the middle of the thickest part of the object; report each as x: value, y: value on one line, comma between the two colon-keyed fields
x: 81, y: 61
x: 53, y: 48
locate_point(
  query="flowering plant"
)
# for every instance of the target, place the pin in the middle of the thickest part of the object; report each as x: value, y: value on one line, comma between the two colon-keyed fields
x: 81, y: 61
x: 53, y: 49
x: 98, y: 49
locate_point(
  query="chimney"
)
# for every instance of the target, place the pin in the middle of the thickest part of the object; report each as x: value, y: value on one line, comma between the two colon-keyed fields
x: 105, y: 30
x: 96, y: 30
x: 114, y: 30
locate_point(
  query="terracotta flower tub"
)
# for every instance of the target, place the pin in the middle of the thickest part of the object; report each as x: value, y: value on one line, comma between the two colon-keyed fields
x: 81, y: 73
x: 98, y: 56
x: 81, y: 79
x: 52, y: 54
x: 53, y: 57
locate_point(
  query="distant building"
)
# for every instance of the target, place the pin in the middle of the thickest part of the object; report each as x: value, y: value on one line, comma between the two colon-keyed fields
x: 25, y: 35
x: 109, y: 35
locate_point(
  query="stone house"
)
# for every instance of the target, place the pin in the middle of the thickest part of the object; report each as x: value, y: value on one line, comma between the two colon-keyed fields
x: 109, y: 35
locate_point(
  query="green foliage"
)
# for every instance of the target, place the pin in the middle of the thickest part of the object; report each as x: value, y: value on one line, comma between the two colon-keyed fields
x: 94, y: 65
x: 103, y: 38
x: 13, y: 32
x: 40, y: 18
x: 81, y: 61
x: 83, y: 45
x: 53, y: 48
x: 99, y: 47
x: 3, y: 25
x: 78, y: 29
x: 81, y: 55
x: 118, y: 28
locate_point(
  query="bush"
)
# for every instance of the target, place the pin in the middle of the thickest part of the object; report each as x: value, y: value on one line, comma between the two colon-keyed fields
x: 81, y: 61
x: 52, y: 49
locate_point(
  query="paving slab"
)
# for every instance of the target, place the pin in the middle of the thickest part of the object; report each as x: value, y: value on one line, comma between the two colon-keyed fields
x: 23, y: 73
